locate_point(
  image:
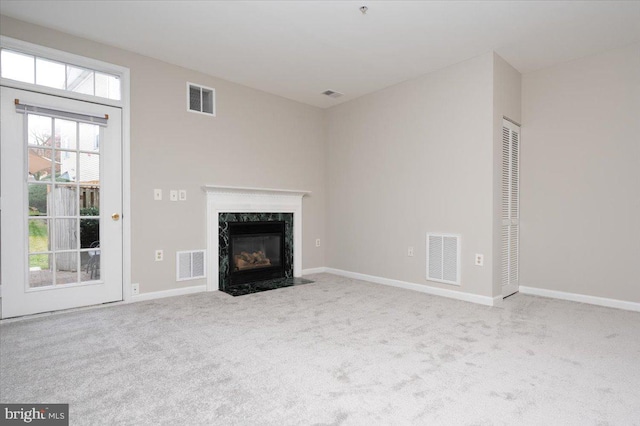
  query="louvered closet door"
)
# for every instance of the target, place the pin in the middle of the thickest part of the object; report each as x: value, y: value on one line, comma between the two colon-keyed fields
x: 510, y: 206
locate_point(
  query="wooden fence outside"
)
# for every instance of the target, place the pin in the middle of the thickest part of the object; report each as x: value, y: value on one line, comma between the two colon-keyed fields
x: 64, y: 201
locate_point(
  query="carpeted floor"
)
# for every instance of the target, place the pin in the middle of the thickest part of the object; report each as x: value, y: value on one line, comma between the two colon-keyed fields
x: 335, y: 352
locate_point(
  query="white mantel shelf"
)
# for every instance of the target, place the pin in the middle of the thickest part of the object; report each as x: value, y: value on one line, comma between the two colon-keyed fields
x: 247, y: 190
x: 236, y: 199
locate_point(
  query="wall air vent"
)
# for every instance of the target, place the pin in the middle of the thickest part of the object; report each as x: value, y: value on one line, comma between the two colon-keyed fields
x: 443, y: 258
x: 190, y: 265
x: 332, y: 94
x: 201, y: 99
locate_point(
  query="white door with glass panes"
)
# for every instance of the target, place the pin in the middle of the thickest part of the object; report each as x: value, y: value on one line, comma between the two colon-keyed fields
x: 61, y: 203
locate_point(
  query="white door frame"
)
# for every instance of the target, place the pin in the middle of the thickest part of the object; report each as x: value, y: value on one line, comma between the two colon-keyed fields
x: 124, y: 104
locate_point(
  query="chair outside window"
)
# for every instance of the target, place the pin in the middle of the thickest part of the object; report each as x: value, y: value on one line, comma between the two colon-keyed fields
x: 93, y: 265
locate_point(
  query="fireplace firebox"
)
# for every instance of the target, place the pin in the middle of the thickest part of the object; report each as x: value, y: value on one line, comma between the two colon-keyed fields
x: 256, y: 251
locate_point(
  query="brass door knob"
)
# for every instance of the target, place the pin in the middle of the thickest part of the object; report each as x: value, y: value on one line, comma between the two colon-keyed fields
x: 115, y: 216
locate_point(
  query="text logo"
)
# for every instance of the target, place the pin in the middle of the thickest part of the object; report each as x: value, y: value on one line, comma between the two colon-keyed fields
x: 35, y: 414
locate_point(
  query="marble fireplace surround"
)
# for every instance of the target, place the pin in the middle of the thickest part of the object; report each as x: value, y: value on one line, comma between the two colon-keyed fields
x: 232, y: 199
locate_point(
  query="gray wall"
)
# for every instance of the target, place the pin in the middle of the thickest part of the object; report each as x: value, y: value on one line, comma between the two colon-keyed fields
x: 257, y: 140
x: 413, y: 158
x: 580, y: 182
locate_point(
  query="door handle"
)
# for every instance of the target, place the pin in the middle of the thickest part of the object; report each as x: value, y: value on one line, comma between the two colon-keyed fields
x: 115, y: 217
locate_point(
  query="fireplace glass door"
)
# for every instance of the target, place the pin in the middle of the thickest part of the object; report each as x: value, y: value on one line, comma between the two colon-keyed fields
x: 256, y: 251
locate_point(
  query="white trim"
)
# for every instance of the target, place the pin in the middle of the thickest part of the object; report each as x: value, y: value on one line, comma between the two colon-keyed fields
x: 310, y: 271
x: 581, y: 298
x: 126, y: 185
x: 252, y: 191
x: 422, y: 288
x: 230, y: 199
x: 124, y: 104
x: 169, y: 293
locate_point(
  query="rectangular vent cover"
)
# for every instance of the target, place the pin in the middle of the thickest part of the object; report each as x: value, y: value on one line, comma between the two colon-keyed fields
x: 443, y: 258
x: 190, y: 265
x: 201, y: 99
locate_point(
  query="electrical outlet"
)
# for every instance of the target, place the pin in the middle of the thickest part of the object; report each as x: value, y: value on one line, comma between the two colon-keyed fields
x: 173, y: 195
x: 479, y: 260
x: 318, y: 242
x: 135, y: 289
x: 182, y: 195
x: 157, y: 194
x: 159, y: 255
x: 410, y: 252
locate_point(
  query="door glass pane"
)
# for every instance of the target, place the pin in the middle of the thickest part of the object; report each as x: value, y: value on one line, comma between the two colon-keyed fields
x: 65, y: 234
x: 66, y: 268
x: 65, y: 200
x: 17, y: 66
x: 89, y: 137
x: 89, y: 200
x: 39, y: 235
x: 79, y: 80
x: 89, y: 233
x: 66, y: 166
x: 114, y: 87
x: 38, y: 199
x: 90, y: 265
x: 40, y: 164
x: 49, y: 73
x: 107, y: 86
x: 89, y: 168
x: 39, y: 130
x: 65, y: 133
x: 40, y: 270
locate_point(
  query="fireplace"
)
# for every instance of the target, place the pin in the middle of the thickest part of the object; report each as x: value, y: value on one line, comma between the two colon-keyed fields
x: 228, y: 206
x: 256, y: 251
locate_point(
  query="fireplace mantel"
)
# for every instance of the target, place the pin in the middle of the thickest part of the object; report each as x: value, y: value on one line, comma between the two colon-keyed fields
x: 233, y: 199
x: 253, y: 191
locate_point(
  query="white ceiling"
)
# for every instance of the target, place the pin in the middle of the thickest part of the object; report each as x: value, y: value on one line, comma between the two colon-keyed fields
x: 298, y: 49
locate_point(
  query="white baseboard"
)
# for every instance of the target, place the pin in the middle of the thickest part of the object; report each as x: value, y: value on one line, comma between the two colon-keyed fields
x: 168, y: 293
x: 314, y: 270
x: 582, y: 298
x: 452, y: 294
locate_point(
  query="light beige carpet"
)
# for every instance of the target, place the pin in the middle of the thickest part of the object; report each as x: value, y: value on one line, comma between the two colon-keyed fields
x: 335, y: 352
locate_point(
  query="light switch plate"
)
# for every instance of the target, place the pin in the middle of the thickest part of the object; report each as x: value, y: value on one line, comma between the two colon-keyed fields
x: 182, y: 195
x: 157, y: 194
x: 173, y: 195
